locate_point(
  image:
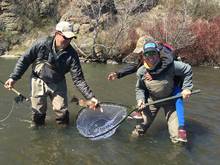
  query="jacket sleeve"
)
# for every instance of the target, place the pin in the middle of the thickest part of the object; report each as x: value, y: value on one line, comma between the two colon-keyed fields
x: 128, y: 69
x: 24, y: 62
x: 140, y: 88
x: 185, y: 72
x: 78, y: 78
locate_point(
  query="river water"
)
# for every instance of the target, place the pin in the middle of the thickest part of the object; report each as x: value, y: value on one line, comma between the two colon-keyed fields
x: 52, y: 145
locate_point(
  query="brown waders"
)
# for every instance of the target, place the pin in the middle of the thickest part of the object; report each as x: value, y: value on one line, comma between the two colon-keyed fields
x: 149, y: 114
x: 158, y: 88
x: 58, y: 96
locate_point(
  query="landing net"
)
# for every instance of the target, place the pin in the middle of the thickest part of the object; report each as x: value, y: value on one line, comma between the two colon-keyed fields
x: 99, y: 125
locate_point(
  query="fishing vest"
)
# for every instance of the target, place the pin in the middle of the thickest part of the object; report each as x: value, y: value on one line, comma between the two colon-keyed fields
x: 43, y: 69
x: 162, y: 85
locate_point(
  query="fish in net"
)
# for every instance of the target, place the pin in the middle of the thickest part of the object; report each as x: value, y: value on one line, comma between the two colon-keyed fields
x: 100, y: 125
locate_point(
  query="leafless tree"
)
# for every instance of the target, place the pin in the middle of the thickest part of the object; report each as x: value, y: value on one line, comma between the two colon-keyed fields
x: 128, y: 10
x: 96, y: 9
x: 174, y: 27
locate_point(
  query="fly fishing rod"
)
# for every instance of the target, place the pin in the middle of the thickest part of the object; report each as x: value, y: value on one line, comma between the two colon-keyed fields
x: 20, y: 97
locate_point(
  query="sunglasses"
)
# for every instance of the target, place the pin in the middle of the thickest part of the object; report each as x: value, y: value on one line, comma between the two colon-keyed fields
x: 150, y: 54
x: 65, y: 38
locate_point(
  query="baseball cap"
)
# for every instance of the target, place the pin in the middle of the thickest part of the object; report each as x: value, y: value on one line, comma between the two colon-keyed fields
x: 66, y: 28
x: 140, y: 43
x: 150, y: 47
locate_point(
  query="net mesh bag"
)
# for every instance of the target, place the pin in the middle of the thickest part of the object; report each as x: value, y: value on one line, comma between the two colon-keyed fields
x: 99, y: 125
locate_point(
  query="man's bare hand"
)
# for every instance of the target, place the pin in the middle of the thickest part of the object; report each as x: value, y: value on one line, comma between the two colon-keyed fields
x: 186, y: 93
x: 112, y: 76
x: 94, y: 104
x: 148, y: 77
x: 9, y: 84
x: 140, y: 104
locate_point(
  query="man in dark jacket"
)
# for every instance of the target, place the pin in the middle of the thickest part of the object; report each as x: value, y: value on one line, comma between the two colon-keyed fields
x: 51, y: 59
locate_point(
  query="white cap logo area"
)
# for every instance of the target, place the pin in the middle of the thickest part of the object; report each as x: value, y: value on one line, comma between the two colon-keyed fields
x: 66, y: 28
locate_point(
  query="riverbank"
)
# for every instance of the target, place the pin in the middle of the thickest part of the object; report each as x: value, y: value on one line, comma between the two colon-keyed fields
x: 108, y: 62
x: 111, y: 32
x: 9, y: 56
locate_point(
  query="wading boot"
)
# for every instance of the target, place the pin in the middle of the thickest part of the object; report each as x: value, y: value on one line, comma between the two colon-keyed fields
x: 63, y: 121
x: 182, y: 135
x: 38, y: 120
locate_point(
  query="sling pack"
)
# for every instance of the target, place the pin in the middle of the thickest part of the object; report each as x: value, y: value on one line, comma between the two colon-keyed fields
x: 45, y: 70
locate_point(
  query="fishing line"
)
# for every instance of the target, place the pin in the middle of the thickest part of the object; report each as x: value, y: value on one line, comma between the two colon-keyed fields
x: 8, y: 115
x: 10, y: 112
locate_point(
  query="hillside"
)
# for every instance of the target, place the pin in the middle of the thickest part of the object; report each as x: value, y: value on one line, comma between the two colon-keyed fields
x: 109, y: 29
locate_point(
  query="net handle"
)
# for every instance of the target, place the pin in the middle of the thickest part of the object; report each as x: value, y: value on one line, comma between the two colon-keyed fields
x: 148, y: 104
x: 166, y: 99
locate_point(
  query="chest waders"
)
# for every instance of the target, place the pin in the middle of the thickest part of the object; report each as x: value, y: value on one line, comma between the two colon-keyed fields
x: 161, y: 87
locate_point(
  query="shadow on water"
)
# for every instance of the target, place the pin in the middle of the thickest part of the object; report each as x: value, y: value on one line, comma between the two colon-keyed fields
x: 196, y: 130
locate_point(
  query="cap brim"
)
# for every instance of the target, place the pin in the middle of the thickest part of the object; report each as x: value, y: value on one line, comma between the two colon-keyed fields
x: 150, y: 50
x: 69, y: 34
